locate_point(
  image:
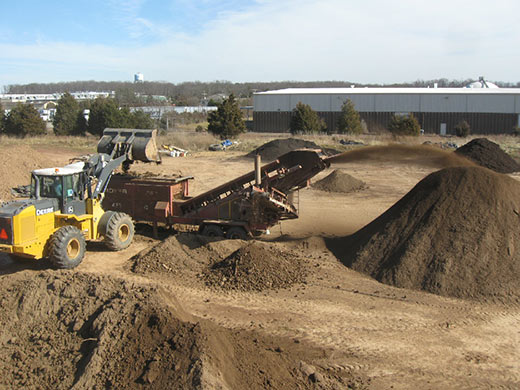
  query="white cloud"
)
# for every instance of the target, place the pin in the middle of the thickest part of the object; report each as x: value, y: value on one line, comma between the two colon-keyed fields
x: 371, y: 41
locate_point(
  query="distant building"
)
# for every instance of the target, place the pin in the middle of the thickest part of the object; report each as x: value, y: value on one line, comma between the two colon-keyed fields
x: 156, y: 112
x: 138, y: 78
x: 438, y: 110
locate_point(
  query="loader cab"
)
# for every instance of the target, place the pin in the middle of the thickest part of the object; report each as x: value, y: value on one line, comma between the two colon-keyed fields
x: 67, y: 185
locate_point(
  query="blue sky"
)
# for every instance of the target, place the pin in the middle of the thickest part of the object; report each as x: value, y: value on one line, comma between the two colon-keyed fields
x: 259, y: 40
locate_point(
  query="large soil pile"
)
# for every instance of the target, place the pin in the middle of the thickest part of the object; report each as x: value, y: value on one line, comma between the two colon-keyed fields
x: 339, y: 181
x: 256, y: 267
x: 69, y: 330
x: 456, y: 233
x: 17, y: 162
x: 489, y: 154
x: 274, y: 149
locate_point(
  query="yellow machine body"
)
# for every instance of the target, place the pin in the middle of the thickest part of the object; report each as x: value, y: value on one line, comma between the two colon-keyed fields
x: 31, y: 232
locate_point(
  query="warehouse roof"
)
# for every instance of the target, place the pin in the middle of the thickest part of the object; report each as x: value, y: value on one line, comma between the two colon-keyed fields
x: 361, y: 91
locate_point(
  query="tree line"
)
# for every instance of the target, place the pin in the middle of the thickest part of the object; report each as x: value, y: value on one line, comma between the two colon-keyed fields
x: 70, y: 119
x: 191, y: 93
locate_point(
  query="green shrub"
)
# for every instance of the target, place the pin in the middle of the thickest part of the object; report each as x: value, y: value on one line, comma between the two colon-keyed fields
x: 516, y: 131
x: 404, y: 125
x: 305, y: 120
x: 24, y: 120
x: 462, y: 129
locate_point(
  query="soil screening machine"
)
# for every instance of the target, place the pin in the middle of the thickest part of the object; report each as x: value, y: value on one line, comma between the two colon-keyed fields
x: 245, y: 206
x: 64, y: 209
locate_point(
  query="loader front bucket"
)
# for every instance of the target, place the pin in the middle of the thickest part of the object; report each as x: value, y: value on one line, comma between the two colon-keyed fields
x: 139, y: 145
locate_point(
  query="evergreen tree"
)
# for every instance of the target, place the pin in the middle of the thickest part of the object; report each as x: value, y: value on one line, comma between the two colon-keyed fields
x: 227, y: 120
x: 66, y: 119
x: 2, y: 118
x: 305, y: 120
x: 349, y: 120
x: 104, y: 113
x: 404, y: 125
x: 141, y: 120
x: 24, y: 120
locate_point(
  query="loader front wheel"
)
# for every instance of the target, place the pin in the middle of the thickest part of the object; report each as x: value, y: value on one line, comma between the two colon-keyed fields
x: 67, y: 247
x: 236, y: 233
x: 212, y: 231
x: 119, y: 232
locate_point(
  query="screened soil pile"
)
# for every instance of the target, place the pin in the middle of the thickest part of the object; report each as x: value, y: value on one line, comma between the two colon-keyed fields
x: 488, y: 154
x: 256, y: 267
x: 339, y: 181
x: 456, y: 233
x: 183, y: 256
x: 69, y: 330
x: 274, y: 149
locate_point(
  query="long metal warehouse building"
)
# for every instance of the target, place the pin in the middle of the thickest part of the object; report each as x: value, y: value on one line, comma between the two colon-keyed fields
x: 439, y: 110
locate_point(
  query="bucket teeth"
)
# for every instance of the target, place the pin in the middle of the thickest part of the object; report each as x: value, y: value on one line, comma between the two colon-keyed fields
x: 139, y: 145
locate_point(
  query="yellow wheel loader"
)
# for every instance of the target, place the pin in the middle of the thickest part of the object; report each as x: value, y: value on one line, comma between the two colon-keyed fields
x: 64, y: 209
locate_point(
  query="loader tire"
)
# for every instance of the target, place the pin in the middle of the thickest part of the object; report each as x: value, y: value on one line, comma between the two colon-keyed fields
x: 67, y: 248
x: 236, y: 233
x: 212, y: 231
x: 119, y: 232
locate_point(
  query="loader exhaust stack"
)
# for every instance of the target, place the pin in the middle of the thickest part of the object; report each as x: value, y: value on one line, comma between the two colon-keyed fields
x: 139, y: 145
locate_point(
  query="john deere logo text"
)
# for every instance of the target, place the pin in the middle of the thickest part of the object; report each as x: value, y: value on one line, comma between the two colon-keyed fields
x: 44, y: 211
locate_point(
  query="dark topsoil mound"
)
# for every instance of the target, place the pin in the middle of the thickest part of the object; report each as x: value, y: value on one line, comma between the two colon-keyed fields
x: 256, y: 267
x: 456, y: 233
x: 274, y: 149
x: 339, y: 181
x: 227, y: 264
x: 68, y: 330
x: 488, y: 154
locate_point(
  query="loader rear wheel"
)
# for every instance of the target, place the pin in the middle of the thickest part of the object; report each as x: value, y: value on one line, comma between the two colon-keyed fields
x: 67, y: 247
x: 212, y: 231
x: 119, y: 232
x: 236, y: 233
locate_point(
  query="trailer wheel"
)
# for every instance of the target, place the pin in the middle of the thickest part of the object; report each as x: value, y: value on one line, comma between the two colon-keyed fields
x: 67, y: 247
x: 236, y: 233
x: 212, y: 231
x: 119, y: 232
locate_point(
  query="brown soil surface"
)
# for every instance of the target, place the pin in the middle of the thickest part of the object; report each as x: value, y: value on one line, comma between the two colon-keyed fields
x: 70, y: 330
x: 488, y: 154
x: 274, y: 149
x: 339, y: 181
x: 256, y: 267
x: 454, y: 234
x: 339, y: 329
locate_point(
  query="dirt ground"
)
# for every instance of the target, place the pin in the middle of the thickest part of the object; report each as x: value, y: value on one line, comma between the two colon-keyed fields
x: 386, y: 337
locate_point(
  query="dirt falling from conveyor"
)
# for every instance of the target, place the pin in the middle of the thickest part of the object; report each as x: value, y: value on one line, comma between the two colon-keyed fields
x: 403, y: 154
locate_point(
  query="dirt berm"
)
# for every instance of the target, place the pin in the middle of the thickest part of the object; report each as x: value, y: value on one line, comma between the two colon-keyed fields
x: 274, y: 149
x: 456, y: 233
x: 488, y: 154
x: 71, y: 330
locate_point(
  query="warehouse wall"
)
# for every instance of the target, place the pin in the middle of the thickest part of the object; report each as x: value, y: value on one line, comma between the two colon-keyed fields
x: 507, y: 103
x: 481, y: 123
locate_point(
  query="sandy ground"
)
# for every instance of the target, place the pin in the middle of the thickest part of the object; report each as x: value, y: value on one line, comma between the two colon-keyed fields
x: 398, y: 338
